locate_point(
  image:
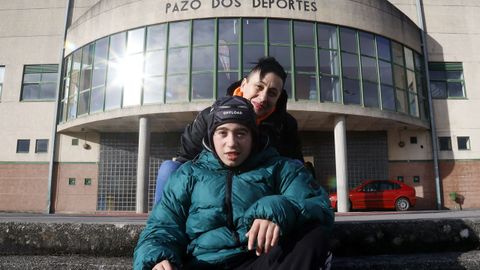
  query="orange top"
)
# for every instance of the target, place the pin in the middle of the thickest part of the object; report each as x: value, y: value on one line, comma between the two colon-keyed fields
x: 238, y: 92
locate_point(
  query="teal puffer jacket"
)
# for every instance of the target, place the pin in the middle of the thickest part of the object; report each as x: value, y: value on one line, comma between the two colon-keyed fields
x: 206, y: 208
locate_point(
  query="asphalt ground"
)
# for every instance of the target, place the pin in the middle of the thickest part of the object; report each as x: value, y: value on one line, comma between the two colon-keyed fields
x: 131, y: 218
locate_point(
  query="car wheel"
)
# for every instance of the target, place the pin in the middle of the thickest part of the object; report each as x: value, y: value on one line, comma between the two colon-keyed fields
x: 402, y: 204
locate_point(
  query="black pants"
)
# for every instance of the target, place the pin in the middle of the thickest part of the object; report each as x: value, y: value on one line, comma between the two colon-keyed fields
x: 302, y: 251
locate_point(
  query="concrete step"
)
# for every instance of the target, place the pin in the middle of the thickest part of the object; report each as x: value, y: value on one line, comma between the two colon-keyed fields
x: 423, y: 261
x: 73, y: 262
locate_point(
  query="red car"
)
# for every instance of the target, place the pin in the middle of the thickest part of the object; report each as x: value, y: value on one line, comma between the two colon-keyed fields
x: 380, y: 194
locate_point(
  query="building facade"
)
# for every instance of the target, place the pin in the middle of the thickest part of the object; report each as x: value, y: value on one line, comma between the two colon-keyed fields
x: 94, y: 94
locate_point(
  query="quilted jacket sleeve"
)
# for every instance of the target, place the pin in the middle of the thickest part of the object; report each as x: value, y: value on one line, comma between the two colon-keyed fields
x: 300, y: 200
x: 164, y: 235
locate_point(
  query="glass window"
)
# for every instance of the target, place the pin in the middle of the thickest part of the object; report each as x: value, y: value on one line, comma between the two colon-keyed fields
x: 367, y: 44
x: 83, y: 100
x: 370, y: 94
x: 203, y: 32
x: 253, y: 30
x: 41, y: 146
x: 413, y: 104
x: 327, y: 36
x: 39, y: 82
x: 251, y: 54
x: 350, y: 65
x: 304, y: 34
x: 463, y: 143
x: 133, y: 81
x: 179, y: 34
x: 113, y: 93
x: 351, y: 91
x: 155, y: 63
x: 418, y: 61
x: 329, y: 62
x: 23, y: 146
x: 369, y: 69
x: 228, y: 30
x: 348, y: 41
x: 446, y: 80
x: 400, y: 80
x: 388, y: 98
x: 177, y: 88
x: 97, y: 99
x: 305, y: 59
x: 225, y: 79
x: 401, y: 101
x: 135, y: 41
x: 411, y: 81
x: 279, y: 31
x: 228, y: 56
x: 282, y: 54
x: 117, y: 45
x: 203, y: 58
x: 202, y: 86
x: 409, y: 58
x: 305, y: 87
x: 156, y: 37
x: 397, y: 50
x: 178, y: 60
x: 100, y: 63
x: 445, y: 143
x: 153, y: 90
x: 2, y: 77
x: 330, y: 89
x: 383, y: 48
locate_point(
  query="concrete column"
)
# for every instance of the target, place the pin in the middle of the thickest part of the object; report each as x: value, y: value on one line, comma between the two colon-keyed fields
x: 340, y: 133
x: 143, y: 165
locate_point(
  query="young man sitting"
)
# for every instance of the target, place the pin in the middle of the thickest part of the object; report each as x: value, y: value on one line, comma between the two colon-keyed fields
x: 238, y: 205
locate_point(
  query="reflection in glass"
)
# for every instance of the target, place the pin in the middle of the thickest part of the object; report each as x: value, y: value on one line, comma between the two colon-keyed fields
x: 225, y: 79
x: 369, y: 69
x: 179, y: 34
x: 203, y: 58
x: 153, y: 90
x: 399, y: 75
x: 31, y: 91
x: 282, y: 54
x: 439, y: 89
x: 329, y: 62
x: 401, y: 101
x: 367, y: 44
x: 437, y: 74
x: 418, y: 61
x: 408, y: 58
x: 203, y: 32
x: 385, y: 73
x: 413, y: 104
x: 305, y: 87
x: 451, y: 75
x: 388, y: 98
x: 113, y: 93
x: 177, y: 88
x: 279, y: 31
x: 455, y: 89
x: 48, y: 90
x: 383, y: 47
x: 132, y: 74
x: 96, y: 103
x: 155, y: 63
x: 305, y: 59
x: 117, y: 45
x: 229, y: 30
x: 253, y: 30
x: 411, y: 82
x: 350, y: 65
x: 135, y: 40
x: 83, y: 100
x: 178, y: 60
x: 251, y: 54
x: 72, y: 107
x: 351, y: 91
x: 202, y: 86
x: 348, y: 42
x: 330, y: 89
x: 327, y: 36
x: 304, y: 34
x: 397, y: 51
x: 156, y: 37
x: 227, y: 56
x: 370, y: 94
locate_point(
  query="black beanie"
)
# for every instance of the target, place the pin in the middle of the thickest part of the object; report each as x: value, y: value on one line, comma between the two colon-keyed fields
x: 231, y: 109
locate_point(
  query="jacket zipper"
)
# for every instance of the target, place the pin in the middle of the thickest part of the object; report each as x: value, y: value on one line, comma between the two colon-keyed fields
x: 229, y: 208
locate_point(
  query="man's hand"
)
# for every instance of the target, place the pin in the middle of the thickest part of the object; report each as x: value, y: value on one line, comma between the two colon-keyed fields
x: 266, y: 233
x: 164, y: 265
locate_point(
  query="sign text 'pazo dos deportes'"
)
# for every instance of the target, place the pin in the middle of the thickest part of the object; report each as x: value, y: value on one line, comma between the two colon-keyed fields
x: 174, y: 6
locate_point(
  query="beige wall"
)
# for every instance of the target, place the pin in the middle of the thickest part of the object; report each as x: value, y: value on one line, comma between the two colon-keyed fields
x: 87, y: 150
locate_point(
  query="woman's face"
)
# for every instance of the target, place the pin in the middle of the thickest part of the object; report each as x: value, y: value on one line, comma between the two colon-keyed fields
x: 262, y: 93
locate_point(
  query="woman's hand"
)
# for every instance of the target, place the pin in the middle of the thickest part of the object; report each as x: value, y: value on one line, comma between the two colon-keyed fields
x: 164, y: 265
x: 265, y: 233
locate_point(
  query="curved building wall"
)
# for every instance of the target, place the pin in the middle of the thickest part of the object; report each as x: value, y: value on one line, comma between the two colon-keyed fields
x: 193, y: 60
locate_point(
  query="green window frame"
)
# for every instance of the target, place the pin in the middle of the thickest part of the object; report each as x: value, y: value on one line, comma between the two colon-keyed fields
x: 39, y: 82
x: 447, y: 80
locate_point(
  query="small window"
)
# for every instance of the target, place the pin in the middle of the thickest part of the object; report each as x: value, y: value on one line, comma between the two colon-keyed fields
x: 23, y: 146
x: 39, y: 82
x: 87, y: 181
x: 463, y: 143
x: 413, y: 140
x: 41, y: 146
x: 445, y: 143
x: 446, y: 80
x: 74, y: 141
x: 71, y: 181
